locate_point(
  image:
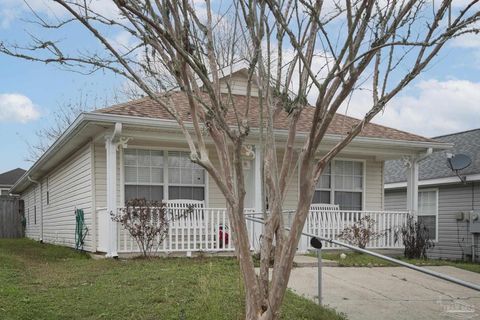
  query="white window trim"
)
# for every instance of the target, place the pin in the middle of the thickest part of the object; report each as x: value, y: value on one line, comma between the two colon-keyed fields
x: 165, y: 183
x: 332, y: 182
x: 436, y: 190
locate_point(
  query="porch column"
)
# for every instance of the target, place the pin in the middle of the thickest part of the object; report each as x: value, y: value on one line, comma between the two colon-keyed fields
x: 258, y: 179
x: 257, y: 228
x: 412, y: 184
x: 112, y: 142
x: 111, y: 149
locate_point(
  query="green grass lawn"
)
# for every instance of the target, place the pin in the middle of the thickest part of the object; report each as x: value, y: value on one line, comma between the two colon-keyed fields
x: 39, y: 281
x: 355, y: 259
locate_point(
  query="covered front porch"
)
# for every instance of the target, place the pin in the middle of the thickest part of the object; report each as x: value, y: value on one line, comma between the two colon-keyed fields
x: 154, y: 163
x: 207, y: 230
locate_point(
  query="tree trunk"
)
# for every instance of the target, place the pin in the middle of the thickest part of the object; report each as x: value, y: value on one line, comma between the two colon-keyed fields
x: 283, y: 268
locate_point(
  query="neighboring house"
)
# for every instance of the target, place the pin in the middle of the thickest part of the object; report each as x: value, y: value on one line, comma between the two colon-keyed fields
x: 8, y: 179
x: 135, y: 149
x: 444, y: 201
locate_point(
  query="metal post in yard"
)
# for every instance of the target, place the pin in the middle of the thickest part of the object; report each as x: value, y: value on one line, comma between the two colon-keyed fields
x: 319, y: 276
x: 439, y: 275
x: 317, y: 244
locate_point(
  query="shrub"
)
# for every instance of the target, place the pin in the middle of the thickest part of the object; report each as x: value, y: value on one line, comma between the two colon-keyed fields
x: 361, y: 232
x: 416, y: 239
x: 147, y: 222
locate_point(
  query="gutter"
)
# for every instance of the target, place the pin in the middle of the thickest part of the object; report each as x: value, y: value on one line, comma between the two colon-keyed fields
x: 432, y: 182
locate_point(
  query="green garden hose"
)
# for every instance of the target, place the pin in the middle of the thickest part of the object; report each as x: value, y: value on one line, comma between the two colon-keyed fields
x: 81, y: 229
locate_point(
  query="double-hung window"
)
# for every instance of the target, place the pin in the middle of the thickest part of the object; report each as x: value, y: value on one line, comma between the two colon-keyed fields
x: 428, y: 211
x: 146, y: 173
x: 186, y: 180
x: 341, y: 183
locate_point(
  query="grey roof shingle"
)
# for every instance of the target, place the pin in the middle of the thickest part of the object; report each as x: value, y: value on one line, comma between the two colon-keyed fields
x: 435, y: 165
x: 10, y: 177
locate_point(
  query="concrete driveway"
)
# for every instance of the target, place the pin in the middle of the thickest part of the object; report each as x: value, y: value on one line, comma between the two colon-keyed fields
x: 391, y: 292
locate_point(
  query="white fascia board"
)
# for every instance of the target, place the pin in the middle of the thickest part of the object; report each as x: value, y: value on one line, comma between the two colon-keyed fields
x: 432, y: 182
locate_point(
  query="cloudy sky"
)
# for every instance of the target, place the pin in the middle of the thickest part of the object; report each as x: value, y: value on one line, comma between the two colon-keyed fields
x: 444, y: 99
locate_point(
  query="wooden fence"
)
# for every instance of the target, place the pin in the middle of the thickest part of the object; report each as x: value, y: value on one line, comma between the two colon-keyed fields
x: 11, y: 216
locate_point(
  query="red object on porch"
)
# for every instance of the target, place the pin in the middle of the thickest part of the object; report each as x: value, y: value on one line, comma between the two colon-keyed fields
x: 221, y: 235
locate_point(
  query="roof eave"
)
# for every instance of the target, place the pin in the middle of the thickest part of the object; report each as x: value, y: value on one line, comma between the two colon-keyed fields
x: 172, y: 124
x: 433, y: 181
x: 76, y: 125
x: 86, y: 117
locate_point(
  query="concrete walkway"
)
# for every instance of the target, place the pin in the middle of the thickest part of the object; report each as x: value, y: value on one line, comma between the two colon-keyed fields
x: 307, y: 261
x: 391, y: 292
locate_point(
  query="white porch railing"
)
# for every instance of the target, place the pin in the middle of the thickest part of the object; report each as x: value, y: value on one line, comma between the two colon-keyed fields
x: 199, y: 230
x: 331, y: 223
x: 208, y: 229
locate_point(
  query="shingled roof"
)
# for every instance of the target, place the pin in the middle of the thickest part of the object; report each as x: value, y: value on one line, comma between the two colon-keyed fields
x: 340, y: 125
x: 8, y: 179
x: 436, y: 166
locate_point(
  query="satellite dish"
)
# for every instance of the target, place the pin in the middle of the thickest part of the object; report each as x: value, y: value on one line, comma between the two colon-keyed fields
x: 459, y: 162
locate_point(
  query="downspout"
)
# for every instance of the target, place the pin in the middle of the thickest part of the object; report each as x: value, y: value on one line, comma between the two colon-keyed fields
x: 426, y: 154
x: 41, y: 206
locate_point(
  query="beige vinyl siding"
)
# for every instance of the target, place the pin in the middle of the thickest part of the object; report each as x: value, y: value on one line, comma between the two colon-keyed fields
x: 70, y: 188
x: 100, y: 176
x: 32, y: 229
x: 291, y: 197
x: 237, y: 84
x: 396, y: 200
x: 215, y: 196
x: 373, y: 185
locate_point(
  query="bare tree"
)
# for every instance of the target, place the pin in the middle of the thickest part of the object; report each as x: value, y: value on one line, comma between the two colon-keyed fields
x: 320, y: 50
x: 61, y: 118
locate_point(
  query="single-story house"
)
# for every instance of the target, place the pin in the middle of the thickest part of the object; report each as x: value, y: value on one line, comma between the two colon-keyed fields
x: 135, y: 149
x: 8, y: 179
x: 445, y: 202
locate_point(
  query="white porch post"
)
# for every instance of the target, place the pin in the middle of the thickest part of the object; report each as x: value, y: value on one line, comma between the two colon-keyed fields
x: 412, y: 185
x: 257, y: 228
x: 112, y: 142
x: 111, y: 149
x: 258, y: 179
